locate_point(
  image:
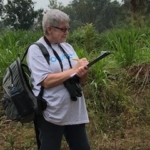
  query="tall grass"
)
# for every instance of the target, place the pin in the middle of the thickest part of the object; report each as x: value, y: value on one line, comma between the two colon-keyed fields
x: 114, y: 106
x: 13, y: 44
x: 129, y: 45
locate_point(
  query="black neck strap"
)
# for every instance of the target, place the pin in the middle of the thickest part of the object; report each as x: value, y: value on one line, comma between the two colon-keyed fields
x: 55, y: 53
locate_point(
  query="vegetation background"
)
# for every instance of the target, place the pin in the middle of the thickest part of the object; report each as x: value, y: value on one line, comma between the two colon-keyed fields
x: 117, y: 91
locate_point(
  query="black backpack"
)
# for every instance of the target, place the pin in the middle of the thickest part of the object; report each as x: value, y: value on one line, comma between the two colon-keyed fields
x: 18, y: 101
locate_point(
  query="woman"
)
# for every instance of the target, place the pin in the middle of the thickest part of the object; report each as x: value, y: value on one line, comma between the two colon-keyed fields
x: 62, y: 115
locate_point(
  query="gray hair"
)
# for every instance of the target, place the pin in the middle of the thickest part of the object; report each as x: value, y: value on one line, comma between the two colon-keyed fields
x: 53, y: 17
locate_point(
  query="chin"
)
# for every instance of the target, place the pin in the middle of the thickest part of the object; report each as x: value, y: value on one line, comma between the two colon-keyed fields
x: 64, y: 40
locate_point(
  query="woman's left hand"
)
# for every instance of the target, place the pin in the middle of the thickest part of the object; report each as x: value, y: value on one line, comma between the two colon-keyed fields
x: 82, y: 71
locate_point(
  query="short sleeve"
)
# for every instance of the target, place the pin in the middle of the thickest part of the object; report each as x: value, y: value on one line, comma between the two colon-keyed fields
x: 37, y: 64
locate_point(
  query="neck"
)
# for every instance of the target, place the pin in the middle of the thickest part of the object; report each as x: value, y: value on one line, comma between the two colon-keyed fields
x: 50, y: 39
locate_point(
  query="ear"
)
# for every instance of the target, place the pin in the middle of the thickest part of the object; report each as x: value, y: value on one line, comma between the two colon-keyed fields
x: 49, y: 29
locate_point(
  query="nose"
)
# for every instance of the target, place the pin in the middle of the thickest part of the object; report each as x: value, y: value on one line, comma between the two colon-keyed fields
x: 66, y: 32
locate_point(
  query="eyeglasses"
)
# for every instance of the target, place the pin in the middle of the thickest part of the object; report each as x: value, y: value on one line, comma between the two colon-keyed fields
x: 62, y: 29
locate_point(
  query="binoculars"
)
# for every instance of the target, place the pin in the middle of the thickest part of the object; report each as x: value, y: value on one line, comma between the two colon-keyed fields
x: 73, y: 87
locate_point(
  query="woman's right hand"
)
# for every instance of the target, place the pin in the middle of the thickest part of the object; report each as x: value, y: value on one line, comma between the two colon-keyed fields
x: 83, y: 62
x: 81, y: 67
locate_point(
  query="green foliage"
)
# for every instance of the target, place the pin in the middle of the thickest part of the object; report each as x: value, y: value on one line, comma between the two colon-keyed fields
x: 90, y: 37
x: 54, y: 5
x: 76, y: 37
x: 1, y: 6
x: 126, y: 45
x: 117, y: 97
x: 20, y: 14
x: 103, y: 14
x: 124, y: 42
x: 85, y: 37
x: 108, y: 88
x: 13, y: 44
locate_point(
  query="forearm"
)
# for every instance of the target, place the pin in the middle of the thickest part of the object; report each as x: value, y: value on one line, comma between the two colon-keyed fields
x: 57, y: 78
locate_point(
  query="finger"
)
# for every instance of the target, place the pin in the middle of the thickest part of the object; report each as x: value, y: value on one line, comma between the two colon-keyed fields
x: 86, y: 67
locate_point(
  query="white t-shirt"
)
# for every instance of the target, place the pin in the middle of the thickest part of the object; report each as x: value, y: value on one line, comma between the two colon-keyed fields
x: 61, y: 110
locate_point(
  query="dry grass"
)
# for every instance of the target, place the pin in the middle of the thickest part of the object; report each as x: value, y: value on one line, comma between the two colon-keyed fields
x: 14, y: 136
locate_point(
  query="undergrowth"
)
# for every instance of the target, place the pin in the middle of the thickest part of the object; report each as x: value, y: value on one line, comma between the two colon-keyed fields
x: 116, y: 91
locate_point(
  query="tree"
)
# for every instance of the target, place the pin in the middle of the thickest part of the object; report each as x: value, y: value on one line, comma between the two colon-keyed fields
x: 54, y: 5
x: 103, y: 14
x: 138, y: 9
x: 1, y: 13
x: 1, y: 7
x: 109, y: 16
x: 20, y: 14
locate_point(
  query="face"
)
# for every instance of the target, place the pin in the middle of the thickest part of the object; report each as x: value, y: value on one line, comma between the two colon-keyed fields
x: 58, y: 34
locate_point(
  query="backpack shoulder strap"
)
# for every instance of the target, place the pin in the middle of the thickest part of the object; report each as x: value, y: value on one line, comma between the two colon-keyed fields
x: 43, y: 50
x: 45, y: 54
